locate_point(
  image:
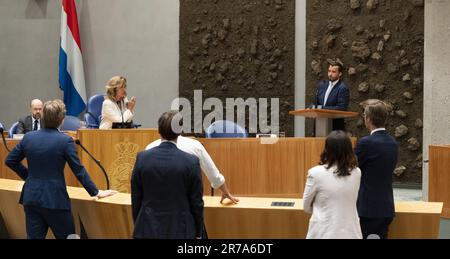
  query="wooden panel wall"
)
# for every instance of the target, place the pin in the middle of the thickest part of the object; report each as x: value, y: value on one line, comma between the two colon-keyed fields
x: 439, y: 177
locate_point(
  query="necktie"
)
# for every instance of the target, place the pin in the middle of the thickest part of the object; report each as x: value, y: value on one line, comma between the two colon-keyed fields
x: 35, y: 127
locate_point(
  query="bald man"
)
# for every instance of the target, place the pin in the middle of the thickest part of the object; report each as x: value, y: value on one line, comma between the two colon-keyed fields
x: 31, y: 122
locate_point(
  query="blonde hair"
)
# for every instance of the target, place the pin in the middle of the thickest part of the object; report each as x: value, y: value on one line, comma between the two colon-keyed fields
x: 54, y: 113
x: 113, y: 84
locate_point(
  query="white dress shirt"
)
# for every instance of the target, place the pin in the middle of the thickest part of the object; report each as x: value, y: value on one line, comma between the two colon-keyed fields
x: 38, y: 124
x: 328, y: 92
x: 111, y: 112
x: 376, y: 130
x: 194, y: 147
x: 332, y: 201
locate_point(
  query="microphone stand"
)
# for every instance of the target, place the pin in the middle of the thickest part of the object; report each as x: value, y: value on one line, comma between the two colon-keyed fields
x: 121, y: 113
x: 3, y: 138
x: 96, y: 161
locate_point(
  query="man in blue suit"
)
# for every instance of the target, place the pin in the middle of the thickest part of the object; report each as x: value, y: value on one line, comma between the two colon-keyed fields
x: 167, y: 190
x: 44, y: 195
x: 333, y: 94
x: 377, y: 157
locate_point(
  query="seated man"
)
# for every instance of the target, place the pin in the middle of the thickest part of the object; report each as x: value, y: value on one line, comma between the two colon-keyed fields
x: 333, y: 94
x: 31, y: 122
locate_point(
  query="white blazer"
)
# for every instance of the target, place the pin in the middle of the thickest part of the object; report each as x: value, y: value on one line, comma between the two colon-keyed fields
x: 111, y: 112
x: 332, y: 201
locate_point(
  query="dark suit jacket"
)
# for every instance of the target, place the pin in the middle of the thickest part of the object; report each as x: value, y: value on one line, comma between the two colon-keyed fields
x: 26, y: 125
x: 377, y: 157
x: 167, y: 194
x: 338, y: 99
x: 47, y: 151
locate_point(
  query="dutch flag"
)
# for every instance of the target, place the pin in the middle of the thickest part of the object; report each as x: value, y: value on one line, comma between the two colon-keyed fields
x: 71, y: 73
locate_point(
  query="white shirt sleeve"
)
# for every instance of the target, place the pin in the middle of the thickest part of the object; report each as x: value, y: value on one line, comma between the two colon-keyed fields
x: 194, y: 147
x: 153, y: 144
x: 209, y: 168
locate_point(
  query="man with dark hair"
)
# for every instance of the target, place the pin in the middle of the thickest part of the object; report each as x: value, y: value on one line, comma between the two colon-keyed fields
x: 377, y: 157
x: 194, y: 147
x: 33, y: 121
x: 166, y: 189
x: 333, y: 94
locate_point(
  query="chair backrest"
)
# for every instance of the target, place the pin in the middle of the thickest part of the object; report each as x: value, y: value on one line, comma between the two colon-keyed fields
x: 71, y: 123
x: 13, y: 129
x: 225, y: 129
x: 94, y: 111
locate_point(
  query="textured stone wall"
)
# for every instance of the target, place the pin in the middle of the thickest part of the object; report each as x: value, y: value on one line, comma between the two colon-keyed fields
x: 239, y: 49
x: 381, y: 43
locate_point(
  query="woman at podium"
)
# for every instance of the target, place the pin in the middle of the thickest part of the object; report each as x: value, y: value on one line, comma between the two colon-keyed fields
x: 116, y: 106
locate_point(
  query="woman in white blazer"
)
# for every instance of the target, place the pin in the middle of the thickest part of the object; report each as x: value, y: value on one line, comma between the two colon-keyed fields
x: 116, y: 107
x: 331, y: 191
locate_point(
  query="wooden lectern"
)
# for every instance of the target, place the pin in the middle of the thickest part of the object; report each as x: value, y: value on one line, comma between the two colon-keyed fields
x: 323, y: 118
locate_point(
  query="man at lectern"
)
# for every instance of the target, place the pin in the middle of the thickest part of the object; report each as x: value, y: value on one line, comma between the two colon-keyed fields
x: 333, y: 94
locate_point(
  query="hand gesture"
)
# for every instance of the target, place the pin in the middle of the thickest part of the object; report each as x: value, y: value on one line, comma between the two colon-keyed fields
x: 103, y: 194
x: 233, y: 199
x: 131, y: 103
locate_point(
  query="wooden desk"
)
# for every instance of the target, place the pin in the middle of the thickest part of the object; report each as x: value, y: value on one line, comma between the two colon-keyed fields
x: 7, y: 173
x: 323, y: 118
x: 116, y: 150
x: 275, y: 170
x: 250, y: 167
x: 255, y: 218
x: 252, y: 218
x: 439, y: 177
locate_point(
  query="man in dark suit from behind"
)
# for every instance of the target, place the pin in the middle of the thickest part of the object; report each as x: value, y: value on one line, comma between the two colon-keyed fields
x: 377, y: 157
x: 32, y: 121
x: 166, y: 189
x: 44, y: 195
x: 333, y: 94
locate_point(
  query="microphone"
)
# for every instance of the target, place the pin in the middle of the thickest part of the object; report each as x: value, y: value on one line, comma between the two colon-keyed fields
x: 121, y: 103
x: 2, y: 129
x: 96, y: 161
x: 121, y: 112
x: 316, y: 97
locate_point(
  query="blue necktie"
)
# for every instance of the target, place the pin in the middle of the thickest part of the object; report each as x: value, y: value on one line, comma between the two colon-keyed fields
x: 35, y: 125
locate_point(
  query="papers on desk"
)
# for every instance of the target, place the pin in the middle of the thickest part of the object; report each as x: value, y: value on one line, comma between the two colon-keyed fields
x: 18, y: 136
x: 267, y: 139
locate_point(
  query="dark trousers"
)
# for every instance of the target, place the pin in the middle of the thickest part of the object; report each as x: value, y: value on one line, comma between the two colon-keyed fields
x: 375, y: 226
x: 338, y: 124
x: 38, y: 220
